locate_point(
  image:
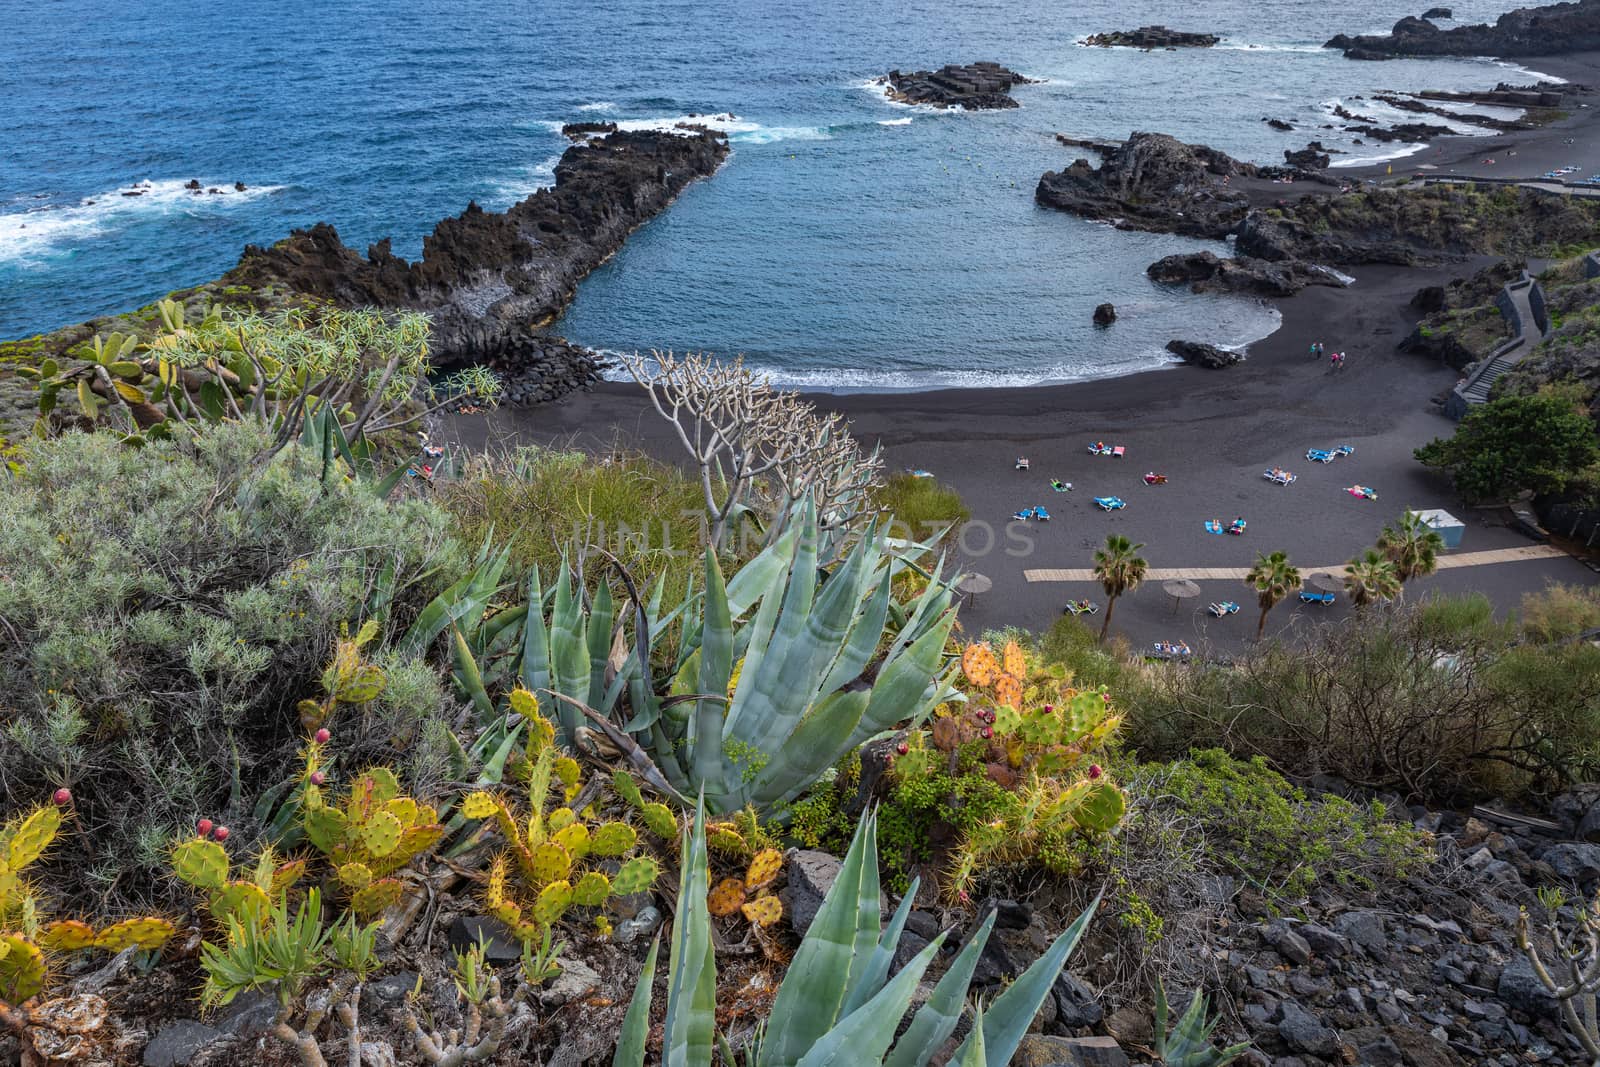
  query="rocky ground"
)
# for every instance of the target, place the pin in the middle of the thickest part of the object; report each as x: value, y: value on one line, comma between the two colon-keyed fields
x: 1151, y: 37
x: 981, y: 86
x: 1527, y: 31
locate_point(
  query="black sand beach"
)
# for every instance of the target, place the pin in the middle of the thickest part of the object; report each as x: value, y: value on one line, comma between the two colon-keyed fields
x: 1212, y: 433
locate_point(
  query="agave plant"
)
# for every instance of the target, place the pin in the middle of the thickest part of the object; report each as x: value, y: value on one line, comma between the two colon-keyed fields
x: 775, y: 674
x: 1189, y: 1042
x: 837, y: 1005
x: 761, y: 706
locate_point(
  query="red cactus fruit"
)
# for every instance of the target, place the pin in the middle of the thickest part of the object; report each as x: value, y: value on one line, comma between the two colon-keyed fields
x: 1095, y: 771
x: 203, y: 827
x: 63, y: 797
x: 317, y: 777
x: 322, y: 736
x: 988, y: 731
x: 1048, y: 708
x: 221, y: 833
x: 902, y: 748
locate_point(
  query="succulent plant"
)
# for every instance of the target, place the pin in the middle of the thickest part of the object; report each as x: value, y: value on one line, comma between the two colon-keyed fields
x: 205, y: 865
x: 837, y: 1003
x: 376, y: 831
x: 1188, y: 1044
x: 549, y: 863
x: 24, y: 937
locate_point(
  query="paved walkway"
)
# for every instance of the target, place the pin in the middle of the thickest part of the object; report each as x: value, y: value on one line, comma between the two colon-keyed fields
x: 1201, y: 574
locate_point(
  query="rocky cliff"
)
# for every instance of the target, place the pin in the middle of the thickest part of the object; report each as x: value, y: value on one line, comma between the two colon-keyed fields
x: 488, y: 278
x: 1152, y: 182
x: 981, y: 86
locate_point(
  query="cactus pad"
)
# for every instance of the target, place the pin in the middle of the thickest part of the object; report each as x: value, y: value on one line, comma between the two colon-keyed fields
x: 201, y: 863
x: 385, y: 786
x: 725, y: 897
x: 977, y: 663
x: 763, y: 911
x: 415, y: 841
x: 1008, y: 690
x: 725, y: 837
x: 21, y: 969
x: 479, y: 805
x: 551, y: 863
x: 148, y: 933
x: 363, y: 684
x: 575, y: 839
x: 380, y: 834
x: 560, y: 819
x: 355, y: 876
x: 286, y: 875
x: 1101, y: 808
x: 764, y: 868
x: 326, y: 827
x: 554, y: 900
x: 407, y: 810
x: 660, y: 820
x: 612, y: 839
x: 377, y: 897
x: 524, y: 703
x: 567, y: 773
x: 1016, y: 664
x: 494, y: 890
x: 67, y: 935
x: 591, y: 890
x: 26, y: 839
x: 627, y: 788
x: 242, y: 900
x: 635, y: 876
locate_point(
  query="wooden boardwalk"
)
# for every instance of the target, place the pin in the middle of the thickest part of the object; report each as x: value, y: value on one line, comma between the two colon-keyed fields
x: 1203, y: 574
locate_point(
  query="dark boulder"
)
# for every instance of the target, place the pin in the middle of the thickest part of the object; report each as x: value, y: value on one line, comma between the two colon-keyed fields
x: 1148, y: 37
x: 982, y: 86
x: 1199, y: 354
x: 1278, y: 124
x: 1312, y: 157
x: 1153, y: 182
x: 1438, y: 13
x: 1105, y: 315
x: 1206, y: 272
x: 583, y: 131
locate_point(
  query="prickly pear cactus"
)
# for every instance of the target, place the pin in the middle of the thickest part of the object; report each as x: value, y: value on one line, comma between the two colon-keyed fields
x: 22, y: 970
x: 591, y: 890
x: 554, y: 900
x: 658, y: 818
x: 374, y: 832
x: 148, y: 933
x: 67, y: 935
x: 725, y: 897
x: 613, y: 839
x: 762, y: 911
x: 764, y: 867
x: 635, y: 876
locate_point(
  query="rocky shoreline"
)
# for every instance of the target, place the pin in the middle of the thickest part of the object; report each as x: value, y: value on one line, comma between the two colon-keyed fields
x: 1527, y: 31
x: 981, y: 86
x: 488, y: 278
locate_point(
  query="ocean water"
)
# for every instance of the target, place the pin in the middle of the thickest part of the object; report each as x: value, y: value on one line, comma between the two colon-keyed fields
x: 848, y: 242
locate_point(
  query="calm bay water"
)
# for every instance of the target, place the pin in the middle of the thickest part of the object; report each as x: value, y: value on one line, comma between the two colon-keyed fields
x: 847, y: 243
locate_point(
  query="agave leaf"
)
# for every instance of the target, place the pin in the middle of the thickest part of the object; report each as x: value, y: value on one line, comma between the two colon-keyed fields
x: 1012, y: 1013
x: 817, y: 743
x: 569, y: 650
x: 535, y: 666
x: 716, y: 667
x: 691, y: 1020
x: 902, y: 683
x: 752, y: 581
x: 863, y: 1036
x: 602, y: 617
x: 636, y: 1024
x: 469, y: 677
x: 462, y: 602
x: 813, y: 989
x: 877, y: 968
x: 862, y: 644
x: 938, y: 1018
x: 975, y: 1055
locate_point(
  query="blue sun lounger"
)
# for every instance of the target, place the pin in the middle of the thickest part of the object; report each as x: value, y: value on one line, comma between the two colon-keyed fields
x: 1226, y: 607
x: 1316, y: 598
x: 1040, y: 513
x: 1344, y: 450
x: 1024, y: 515
x: 1110, y: 503
x: 1213, y: 526
x: 1319, y: 455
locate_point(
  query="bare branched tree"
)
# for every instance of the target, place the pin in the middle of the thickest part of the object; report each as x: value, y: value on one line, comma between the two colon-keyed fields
x: 757, y: 449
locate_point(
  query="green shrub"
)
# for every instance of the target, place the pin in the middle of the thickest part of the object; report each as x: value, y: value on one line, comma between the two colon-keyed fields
x: 166, y: 607
x: 1541, y: 442
x: 1271, y: 835
x: 1559, y: 612
x: 921, y: 506
x: 1434, y: 700
x: 1072, y: 645
x: 537, y: 501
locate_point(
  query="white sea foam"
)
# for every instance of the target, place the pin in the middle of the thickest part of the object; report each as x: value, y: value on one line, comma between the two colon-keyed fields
x: 739, y: 131
x: 1540, y: 76
x: 895, y: 122
x: 1383, y: 114
x: 531, y: 179
x: 27, y: 236
x: 598, y: 105
x: 1247, y: 46
x: 1392, y: 150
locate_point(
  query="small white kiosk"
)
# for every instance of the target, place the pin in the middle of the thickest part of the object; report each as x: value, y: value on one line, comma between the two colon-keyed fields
x: 1445, y: 525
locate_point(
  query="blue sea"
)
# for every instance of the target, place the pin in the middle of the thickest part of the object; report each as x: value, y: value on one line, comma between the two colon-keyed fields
x: 847, y: 243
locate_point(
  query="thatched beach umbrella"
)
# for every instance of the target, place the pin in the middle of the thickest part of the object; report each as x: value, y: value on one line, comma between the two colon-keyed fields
x: 1328, y: 583
x: 970, y: 585
x: 1179, y: 589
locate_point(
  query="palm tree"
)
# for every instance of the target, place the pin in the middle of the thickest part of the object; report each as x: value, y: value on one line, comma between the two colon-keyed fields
x: 1412, y: 546
x: 1273, y: 579
x: 1371, y: 577
x: 1120, y: 570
